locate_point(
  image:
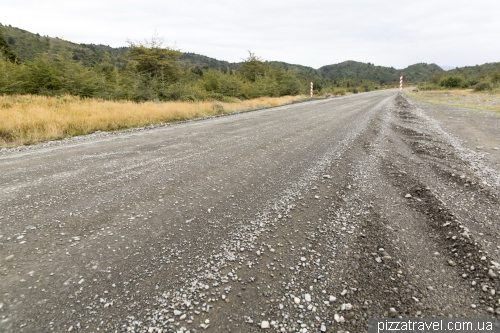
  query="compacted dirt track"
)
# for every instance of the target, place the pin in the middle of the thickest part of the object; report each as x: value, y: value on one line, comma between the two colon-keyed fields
x: 310, y: 217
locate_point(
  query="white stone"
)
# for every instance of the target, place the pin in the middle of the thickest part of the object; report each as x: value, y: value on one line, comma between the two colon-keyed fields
x: 307, y: 297
x: 332, y: 299
x: 265, y: 324
x: 323, y: 328
x: 177, y: 313
x: 296, y: 300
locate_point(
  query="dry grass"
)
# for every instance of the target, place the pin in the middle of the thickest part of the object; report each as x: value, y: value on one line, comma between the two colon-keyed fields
x: 28, y: 119
x: 466, y: 98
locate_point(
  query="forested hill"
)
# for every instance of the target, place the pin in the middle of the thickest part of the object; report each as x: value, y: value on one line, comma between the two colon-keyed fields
x: 414, y: 73
x: 27, y: 45
x: 478, y: 70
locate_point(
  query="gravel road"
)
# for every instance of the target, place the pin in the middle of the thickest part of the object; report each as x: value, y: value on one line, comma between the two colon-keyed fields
x: 310, y: 217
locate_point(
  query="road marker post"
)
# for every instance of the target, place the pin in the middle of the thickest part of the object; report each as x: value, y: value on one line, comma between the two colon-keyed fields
x: 311, y: 89
x: 401, y: 83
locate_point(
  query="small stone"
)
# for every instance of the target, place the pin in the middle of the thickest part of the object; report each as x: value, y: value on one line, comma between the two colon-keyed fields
x: 9, y: 257
x: 322, y: 328
x: 349, y: 315
x: 296, y: 300
x: 307, y: 297
x: 393, y: 312
x: 408, y: 195
x: 492, y: 274
x: 327, y: 176
x: 473, y: 306
x: 303, y: 259
x: 490, y: 310
x: 70, y: 329
x: 177, y: 313
x: 182, y: 317
x: 452, y: 263
x: 207, y: 321
x: 332, y: 299
x: 265, y: 324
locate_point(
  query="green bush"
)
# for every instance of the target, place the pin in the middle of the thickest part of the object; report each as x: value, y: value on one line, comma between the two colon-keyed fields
x: 483, y: 86
x: 215, y: 96
x: 454, y: 82
x: 188, y: 98
x: 495, y: 77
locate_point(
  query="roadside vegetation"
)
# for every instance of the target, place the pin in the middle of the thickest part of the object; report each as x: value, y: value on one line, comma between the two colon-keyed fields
x: 473, y: 87
x: 150, y: 71
x: 463, y: 98
x: 30, y: 119
x: 64, y: 93
x: 484, y: 78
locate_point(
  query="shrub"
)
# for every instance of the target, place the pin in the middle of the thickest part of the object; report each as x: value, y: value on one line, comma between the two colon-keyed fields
x: 218, y: 108
x: 215, y: 96
x: 483, y: 86
x: 495, y: 78
x: 187, y: 98
x: 454, y: 82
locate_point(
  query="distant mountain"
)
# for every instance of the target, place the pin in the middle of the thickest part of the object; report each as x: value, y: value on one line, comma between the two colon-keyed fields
x: 414, y: 73
x: 27, y: 45
x: 473, y: 71
x: 198, y: 60
x: 420, y: 72
x: 447, y: 68
x: 294, y: 68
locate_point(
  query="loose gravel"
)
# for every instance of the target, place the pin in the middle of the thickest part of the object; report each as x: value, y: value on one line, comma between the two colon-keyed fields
x: 312, y: 217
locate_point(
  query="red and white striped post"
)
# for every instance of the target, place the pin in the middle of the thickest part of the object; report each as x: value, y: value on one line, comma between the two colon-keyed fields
x: 401, y: 83
x: 311, y: 90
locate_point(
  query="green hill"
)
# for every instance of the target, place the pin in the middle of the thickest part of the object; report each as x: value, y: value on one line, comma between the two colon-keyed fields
x: 27, y: 45
x: 476, y: 71
x: 197, y: 60
x: 380, y: 74
x: 420, y: 72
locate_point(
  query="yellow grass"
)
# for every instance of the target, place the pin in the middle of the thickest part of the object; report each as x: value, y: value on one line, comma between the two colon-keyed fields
x: 465, y: 98
x: 29, y: 119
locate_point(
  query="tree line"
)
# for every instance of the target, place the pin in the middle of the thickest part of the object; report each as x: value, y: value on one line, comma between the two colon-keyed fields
x: 155, y: 73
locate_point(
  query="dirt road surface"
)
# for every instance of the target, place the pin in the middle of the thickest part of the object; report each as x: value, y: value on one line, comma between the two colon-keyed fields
x: 310, y: 217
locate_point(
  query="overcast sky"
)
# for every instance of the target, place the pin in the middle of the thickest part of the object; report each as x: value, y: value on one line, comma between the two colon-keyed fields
x: 394, y: 33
